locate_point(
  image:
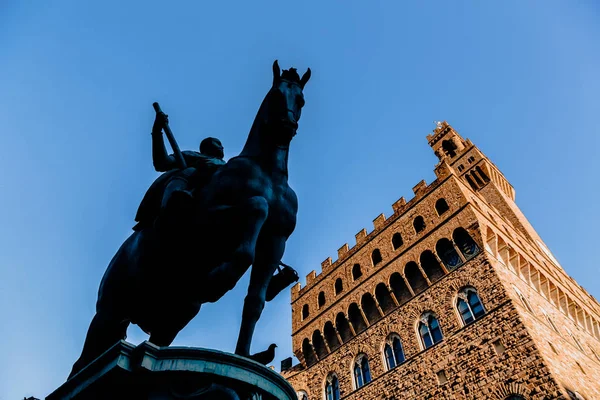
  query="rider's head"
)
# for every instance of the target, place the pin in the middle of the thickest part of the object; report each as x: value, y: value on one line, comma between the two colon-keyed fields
x: 212, y: 147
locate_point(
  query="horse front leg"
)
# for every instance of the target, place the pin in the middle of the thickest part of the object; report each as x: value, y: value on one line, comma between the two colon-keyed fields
x: 240, y: 226
x: 269, y: 252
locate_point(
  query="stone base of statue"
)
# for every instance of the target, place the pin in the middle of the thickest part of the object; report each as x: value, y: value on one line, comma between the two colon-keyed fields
x: 149, y: 372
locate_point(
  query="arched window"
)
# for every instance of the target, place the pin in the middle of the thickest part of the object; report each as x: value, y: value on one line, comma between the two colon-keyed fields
x: 330, y: 336
x: 469, y: 306
x: 431, y: 266
x: 362, y: 372
x: 343, y: 327
x: 415, y: 278
x: 376, y: 257
x: 449, y: 148
x: 574, y: 395
x: 309, y: 354
x: 384, y: 298
x: 465, y: 243
x: 399, y: 288
x: 446, y: 252
x: 429, y: 330
x: 394, y: 354
x: 332, y: 388
x: 305, y: 311
x: 470, y: 181
x: 338, y: 285
x: 370, y: 308
x: 397, y: 240
x: 321, y: 299
x: 477, y: 178
x: 483, y: 175
x: 356, y: 319
x: 441, y: 206
x: 356, y: 272
x: 419, y: 224
x: 302, y: 395
x: 319, y: 345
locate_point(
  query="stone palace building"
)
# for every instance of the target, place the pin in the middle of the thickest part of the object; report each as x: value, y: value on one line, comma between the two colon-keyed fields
x: 454, y: 296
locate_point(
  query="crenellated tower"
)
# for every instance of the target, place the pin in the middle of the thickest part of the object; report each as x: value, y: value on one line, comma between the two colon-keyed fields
x: 454, y: 294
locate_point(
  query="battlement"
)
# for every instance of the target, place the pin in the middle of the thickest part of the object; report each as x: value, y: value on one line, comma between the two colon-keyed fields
x: 399, y: 208
x: 440, y: 130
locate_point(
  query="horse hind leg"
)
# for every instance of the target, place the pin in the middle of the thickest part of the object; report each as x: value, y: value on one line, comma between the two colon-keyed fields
x: 105, y: 330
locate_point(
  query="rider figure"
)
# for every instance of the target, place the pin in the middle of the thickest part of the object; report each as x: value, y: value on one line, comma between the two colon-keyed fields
x: 200, y: 167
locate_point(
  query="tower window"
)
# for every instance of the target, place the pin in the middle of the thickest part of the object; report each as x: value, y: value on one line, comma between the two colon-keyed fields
x: 470, y: 181
x: 441, y: 206
x: 477, y: 179
x: 449, y: 148
x: 419, y: 224
x: 362, y: 372
x: 483, y: 175
x: 332, y: 388
x: 305, y: 311
x: 429, y: 330
x: 321, y: 299
x: 461, y: 168
x: 470, y: 159
x: 469, y: 306
x: 397, y: 240
x: 338, y: 285
x: 376, y: 257
x: 356, y: 272
x: 394, y: 354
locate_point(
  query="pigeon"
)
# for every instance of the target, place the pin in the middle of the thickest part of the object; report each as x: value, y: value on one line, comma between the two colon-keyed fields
x: 265, y: 357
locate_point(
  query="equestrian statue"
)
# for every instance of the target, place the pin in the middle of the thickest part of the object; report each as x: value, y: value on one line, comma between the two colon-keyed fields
x: 200, y: 227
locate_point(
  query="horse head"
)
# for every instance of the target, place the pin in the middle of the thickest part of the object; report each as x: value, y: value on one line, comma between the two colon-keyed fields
x: 277, y: 120
x: 287, y: 101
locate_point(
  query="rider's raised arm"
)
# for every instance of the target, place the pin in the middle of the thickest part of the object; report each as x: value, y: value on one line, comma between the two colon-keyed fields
x: 160, y: 159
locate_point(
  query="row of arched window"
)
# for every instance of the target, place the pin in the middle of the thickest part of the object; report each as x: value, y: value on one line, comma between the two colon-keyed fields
x: 468, y: 307
x: 416, y: 277
x: 441, y: 206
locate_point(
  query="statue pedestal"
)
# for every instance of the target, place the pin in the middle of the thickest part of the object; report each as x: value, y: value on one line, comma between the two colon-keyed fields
x: 149, y: 372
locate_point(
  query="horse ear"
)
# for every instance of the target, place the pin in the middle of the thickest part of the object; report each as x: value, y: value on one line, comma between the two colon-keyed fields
x: 305, y: 78
x: 276, y: 72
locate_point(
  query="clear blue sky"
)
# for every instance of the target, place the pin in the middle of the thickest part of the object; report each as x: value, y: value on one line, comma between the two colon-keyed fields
x: 77, y: 80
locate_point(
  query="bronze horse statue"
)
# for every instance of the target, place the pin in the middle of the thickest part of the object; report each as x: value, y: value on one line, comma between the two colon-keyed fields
x: 243, y: 216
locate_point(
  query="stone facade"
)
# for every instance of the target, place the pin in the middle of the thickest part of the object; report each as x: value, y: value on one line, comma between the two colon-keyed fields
x: 463, y: 239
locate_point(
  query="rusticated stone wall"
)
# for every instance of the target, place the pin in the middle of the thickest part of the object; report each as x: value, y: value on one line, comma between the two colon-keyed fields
x: 539, y: 337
